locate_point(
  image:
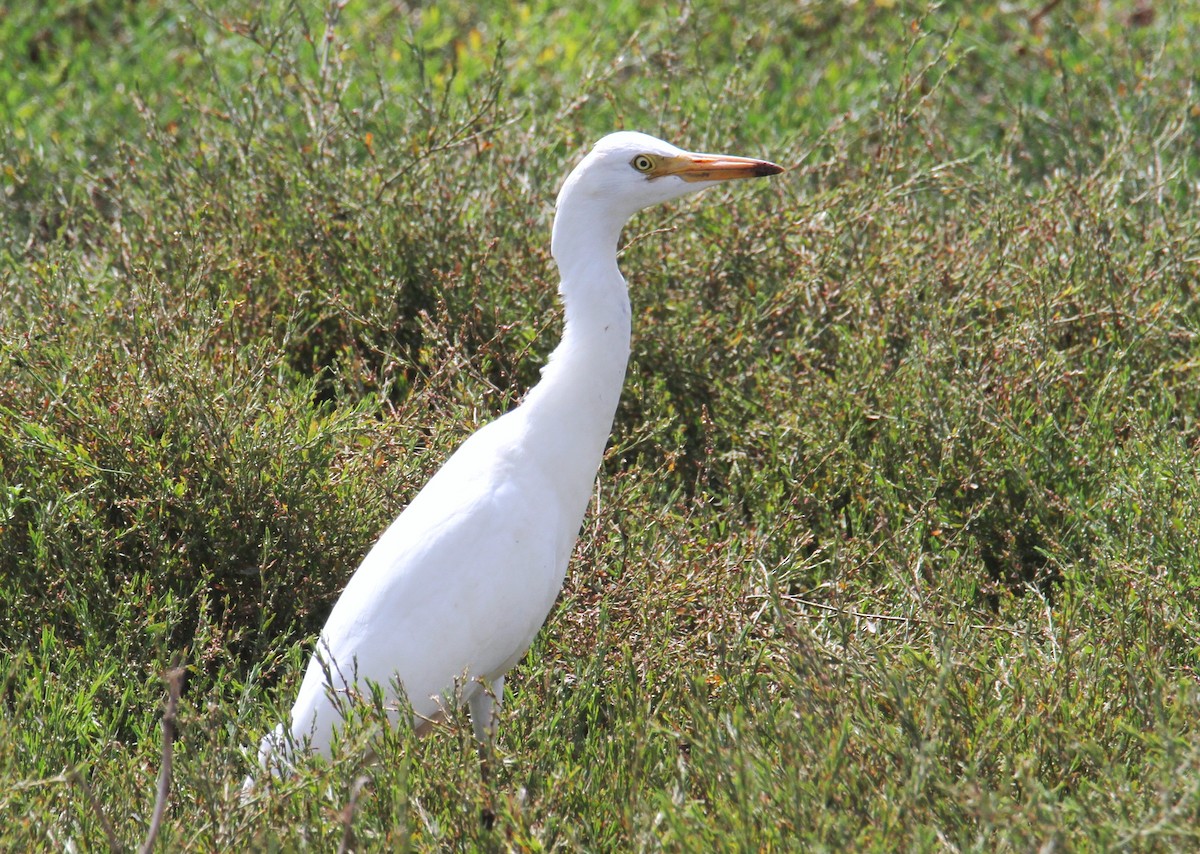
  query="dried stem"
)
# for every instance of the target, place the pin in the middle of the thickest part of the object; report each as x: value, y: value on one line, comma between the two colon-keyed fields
x: 72, y: 774
x: 347, y: 843
x: 174, y: 680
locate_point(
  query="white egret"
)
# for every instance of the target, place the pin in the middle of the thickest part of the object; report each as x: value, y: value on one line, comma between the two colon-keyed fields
x: 453, y: 593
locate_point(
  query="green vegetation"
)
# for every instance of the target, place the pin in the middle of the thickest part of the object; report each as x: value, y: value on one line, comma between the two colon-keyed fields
x: 897, y: 544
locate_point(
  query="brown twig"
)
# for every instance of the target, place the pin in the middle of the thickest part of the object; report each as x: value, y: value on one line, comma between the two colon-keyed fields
x: 889, y: 618
x: 72, y: 774
x: 669, y: 229
x: 347, y: 843
x: 174, y: 680
x: 1035, y: 20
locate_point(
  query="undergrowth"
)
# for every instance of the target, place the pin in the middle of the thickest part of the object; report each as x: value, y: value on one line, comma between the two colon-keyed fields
x: 896, y: 542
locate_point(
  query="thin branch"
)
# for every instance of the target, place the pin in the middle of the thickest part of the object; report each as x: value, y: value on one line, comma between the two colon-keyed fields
x: 888, y: 618
x: 356, y: 788
x: 669, y: 229
x: 1035, y: 20
x: 72, y: 774
x: 174, y: 680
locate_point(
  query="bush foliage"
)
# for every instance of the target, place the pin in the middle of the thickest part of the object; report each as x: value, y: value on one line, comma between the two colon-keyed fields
x: 896, y: 543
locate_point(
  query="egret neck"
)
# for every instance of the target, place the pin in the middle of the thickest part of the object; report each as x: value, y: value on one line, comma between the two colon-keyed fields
x: 569, y: 413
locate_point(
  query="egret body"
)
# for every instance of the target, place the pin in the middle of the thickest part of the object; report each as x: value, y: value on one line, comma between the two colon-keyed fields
x: 452, y: 594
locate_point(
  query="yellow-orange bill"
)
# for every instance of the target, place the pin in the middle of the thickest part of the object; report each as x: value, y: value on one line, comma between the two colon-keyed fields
x: 713, y: 167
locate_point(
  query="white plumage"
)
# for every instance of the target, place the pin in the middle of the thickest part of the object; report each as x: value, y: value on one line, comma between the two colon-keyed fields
x: 457, y: 587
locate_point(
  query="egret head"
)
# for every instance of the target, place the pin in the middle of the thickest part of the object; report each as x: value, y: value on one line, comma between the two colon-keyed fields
x: 628, y: 171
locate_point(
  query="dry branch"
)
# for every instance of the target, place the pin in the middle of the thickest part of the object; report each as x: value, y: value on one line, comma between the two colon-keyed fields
x: 174, y: 680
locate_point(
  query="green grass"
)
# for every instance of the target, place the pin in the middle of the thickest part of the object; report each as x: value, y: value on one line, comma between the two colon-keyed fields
x: 898, y: 538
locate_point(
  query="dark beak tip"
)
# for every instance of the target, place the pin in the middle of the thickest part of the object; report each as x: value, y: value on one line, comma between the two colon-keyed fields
x: 765, y: 169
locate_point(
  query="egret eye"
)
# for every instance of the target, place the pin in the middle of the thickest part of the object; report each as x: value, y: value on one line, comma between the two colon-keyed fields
x: 642, y: 163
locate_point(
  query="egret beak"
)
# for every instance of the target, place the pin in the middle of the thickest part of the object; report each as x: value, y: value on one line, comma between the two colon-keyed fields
x: 713, y: 167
